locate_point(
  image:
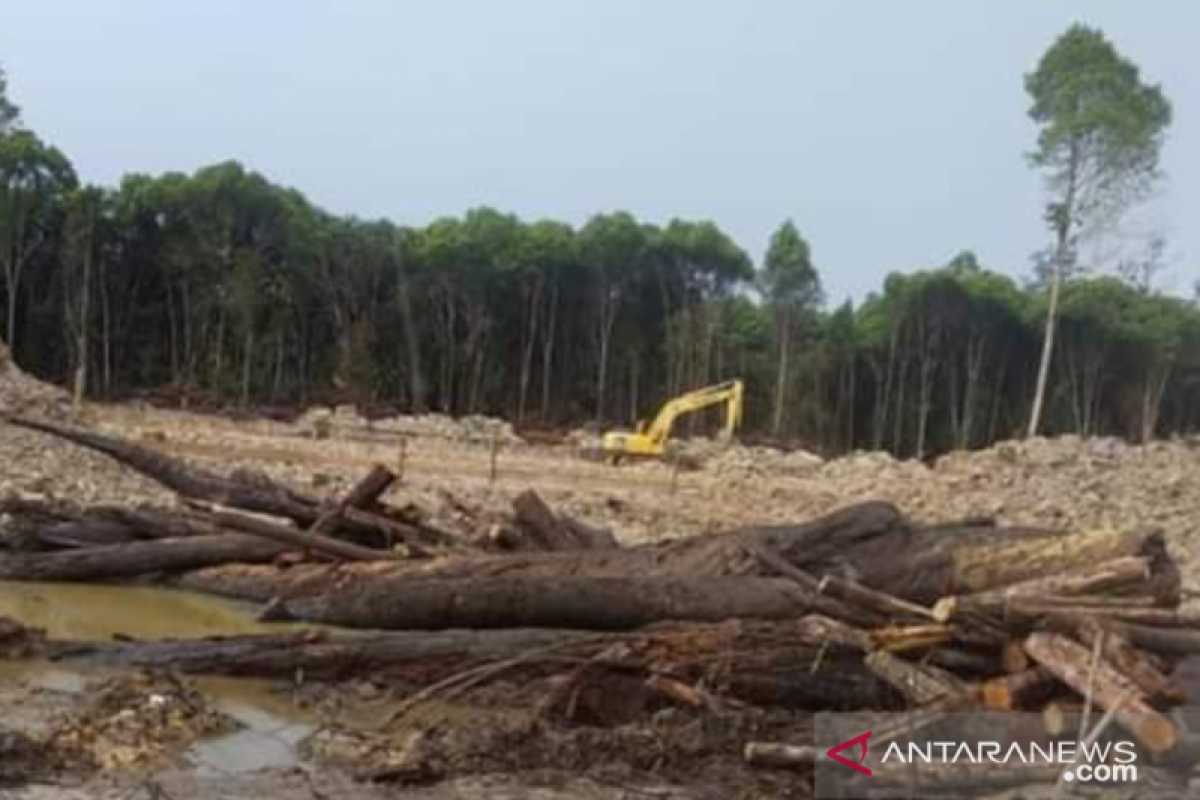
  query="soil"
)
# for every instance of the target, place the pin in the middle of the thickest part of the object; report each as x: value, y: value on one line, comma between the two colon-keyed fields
x: 497, y: 741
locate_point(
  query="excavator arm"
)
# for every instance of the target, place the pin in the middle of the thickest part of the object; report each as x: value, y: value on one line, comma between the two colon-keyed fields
x: 650, y: 440
x: 729, y: 393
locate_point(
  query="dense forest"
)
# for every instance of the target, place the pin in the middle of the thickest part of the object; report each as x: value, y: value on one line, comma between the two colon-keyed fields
x: 223, y: 287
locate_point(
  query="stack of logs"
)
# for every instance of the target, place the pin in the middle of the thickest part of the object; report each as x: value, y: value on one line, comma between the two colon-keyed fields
x: 859, y: 610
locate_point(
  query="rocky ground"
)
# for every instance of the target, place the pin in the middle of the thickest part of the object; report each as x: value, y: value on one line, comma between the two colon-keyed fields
x: 1063, y: 482
x: 465, y: 472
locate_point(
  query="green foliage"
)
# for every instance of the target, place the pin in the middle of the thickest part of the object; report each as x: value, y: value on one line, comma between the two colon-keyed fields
x: 1085, y: 94
x: 9, y: 113
x: 225, y: 287
x: 1101, y: 129
x: 35, y: 180
x: 788, y: 275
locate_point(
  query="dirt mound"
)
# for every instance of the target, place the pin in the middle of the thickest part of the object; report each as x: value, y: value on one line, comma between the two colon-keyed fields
x: 347, y: 421
x: 31, y: 464
x: 20, y: 393
x: 764, y: 461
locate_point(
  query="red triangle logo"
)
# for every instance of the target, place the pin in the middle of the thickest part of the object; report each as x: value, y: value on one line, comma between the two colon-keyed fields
x: 857, y: 740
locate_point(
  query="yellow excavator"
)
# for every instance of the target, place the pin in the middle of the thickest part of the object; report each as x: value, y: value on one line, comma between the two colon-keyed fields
x: 650, y: 440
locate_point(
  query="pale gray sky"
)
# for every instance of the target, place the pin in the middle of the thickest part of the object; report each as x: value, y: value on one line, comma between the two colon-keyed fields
x: 892, y: 132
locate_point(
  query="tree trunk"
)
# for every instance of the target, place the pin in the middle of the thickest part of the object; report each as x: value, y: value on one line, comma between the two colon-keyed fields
x: 548, y: 340
x: 869, y: 541
x: 82, y: 330
x: 259, y: 496
x: 247, y: 366
x: 781, y: 373
x: 417, y: 387
x: 557, y: 602
x: 1073, y: 664
x: 1064, y: 222
x: 140, y: 558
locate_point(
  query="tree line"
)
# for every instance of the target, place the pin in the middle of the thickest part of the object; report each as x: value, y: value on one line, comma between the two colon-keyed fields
x: 225, y: 288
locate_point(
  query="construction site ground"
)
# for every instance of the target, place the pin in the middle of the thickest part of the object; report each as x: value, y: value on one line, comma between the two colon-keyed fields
x: 456, y: 472
x: 1061, y: 482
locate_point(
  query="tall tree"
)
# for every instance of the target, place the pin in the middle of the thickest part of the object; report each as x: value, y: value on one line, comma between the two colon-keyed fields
x: 791, y: 286
x: 1101, y: 131
x: 83, y: 219
x: 9, y: 113
x: 34, y: 179
x: 614, y: 248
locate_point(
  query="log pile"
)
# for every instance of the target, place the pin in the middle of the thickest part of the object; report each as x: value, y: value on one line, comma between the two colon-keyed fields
x: 859, y: 610
x: 244, y: 519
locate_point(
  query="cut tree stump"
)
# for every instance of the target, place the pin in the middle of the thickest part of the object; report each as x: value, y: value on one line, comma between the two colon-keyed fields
x: 542, y: 529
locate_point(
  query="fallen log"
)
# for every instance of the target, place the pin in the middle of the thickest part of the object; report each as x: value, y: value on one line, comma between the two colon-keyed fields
x: 298, y: 539
x: 789, y: 663
x: 86, y: 533
x: 867, y: 545
x: 1025, y: 615
x: 1021, y: 690
x: 1072, y: 663
x: 259, y: 495
x: 559, y: 602
x: 919, y: 683
x: 364, y: 494
x: 139, y: 558
x: 1164, y: 641
x: 1131, y: 575
x: 716, y: 555
x: 314, y: 654
x: 1143, y: 669
x: 777, y: 755
x: 367, y: 492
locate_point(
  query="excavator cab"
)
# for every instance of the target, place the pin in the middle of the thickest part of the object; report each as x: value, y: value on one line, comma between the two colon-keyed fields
x: 649, y: 440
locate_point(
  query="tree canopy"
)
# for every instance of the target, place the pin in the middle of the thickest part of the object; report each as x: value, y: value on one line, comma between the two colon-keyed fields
x: 223, y: 287
x: 9, y: 113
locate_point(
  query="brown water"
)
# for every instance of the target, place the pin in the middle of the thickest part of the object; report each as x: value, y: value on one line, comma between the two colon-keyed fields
x: 272, y: 723
x: 92, y: 612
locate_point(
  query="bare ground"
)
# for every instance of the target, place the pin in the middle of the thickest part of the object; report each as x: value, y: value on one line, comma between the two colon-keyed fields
x: 494, y: 748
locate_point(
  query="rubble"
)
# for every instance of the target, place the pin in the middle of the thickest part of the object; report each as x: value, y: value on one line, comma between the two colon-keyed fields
x: 136, y: 722
x: 346, y: 421
x: 763, y: 462
x: 22, y: 393
x: 894, y: 618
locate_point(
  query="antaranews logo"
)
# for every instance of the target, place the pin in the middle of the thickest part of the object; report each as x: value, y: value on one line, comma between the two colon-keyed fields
x: 974, y: 754
x: 1087, y: 761
x: 1098, y: 757
x: 834, y: 752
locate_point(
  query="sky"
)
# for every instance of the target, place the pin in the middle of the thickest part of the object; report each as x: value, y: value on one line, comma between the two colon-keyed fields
x: 893, y: 133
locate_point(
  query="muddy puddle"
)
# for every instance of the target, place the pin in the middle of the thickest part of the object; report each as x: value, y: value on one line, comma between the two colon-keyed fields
x: 271, y: 723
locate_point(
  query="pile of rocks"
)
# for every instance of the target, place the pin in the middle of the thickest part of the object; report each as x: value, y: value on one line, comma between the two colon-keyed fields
x: 345, y: 420
x: 20, y: 393
x: 1065, y: 482
x: 732, y: 459
x: 30, y: 465
x: 764, y: 461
